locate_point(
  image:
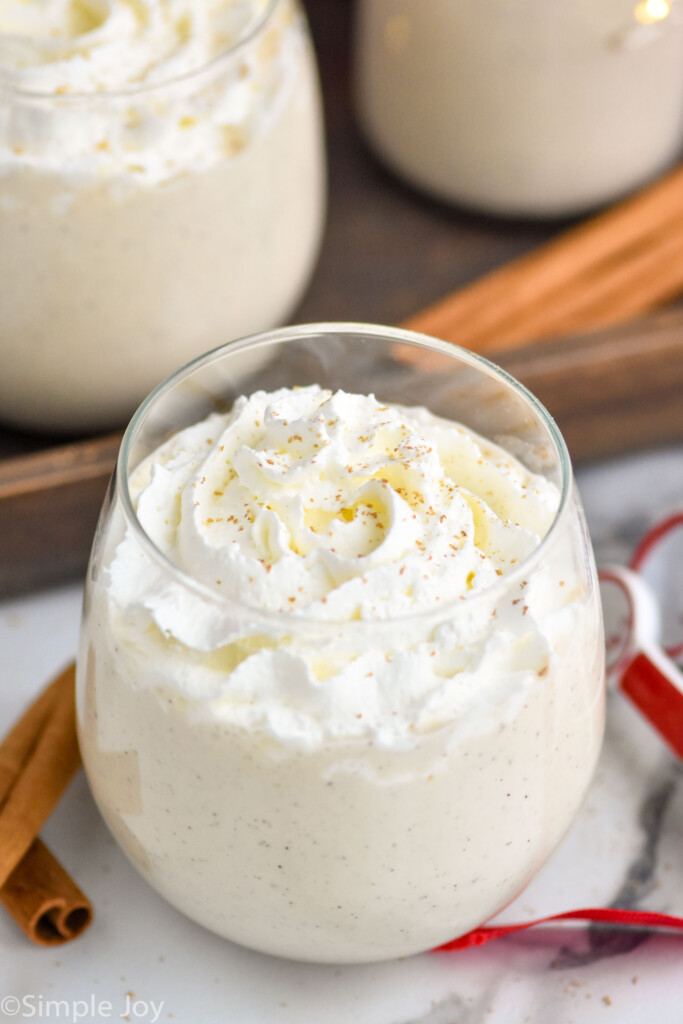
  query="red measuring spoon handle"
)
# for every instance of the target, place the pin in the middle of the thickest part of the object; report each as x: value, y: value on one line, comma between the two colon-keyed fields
x: 653, y: 683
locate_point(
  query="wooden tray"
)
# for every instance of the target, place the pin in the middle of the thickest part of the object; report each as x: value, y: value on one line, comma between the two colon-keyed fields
x: 387, y: 252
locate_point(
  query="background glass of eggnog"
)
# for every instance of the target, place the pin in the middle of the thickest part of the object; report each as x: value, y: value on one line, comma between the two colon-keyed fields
x: 340, y: 682
x: 537, y: 108
x: 162, y: 192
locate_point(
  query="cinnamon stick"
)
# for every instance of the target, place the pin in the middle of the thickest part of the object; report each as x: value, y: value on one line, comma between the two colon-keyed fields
x: 44, y: 901
x: 631, y: 283
x: 37, y: 761
x: 615, y: 266
x: 16, y: 747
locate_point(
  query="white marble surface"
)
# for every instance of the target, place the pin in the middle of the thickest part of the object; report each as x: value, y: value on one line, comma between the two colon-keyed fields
x: 626, y: 846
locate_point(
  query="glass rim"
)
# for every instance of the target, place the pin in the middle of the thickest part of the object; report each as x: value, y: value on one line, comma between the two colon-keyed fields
x: 252, y: 30
x: 294, y: 620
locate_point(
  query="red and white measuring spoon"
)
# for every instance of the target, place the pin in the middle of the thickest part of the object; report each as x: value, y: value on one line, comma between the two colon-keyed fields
x: 637, y: 664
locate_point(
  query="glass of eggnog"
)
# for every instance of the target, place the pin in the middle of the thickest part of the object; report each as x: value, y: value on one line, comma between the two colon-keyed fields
x: 341, y: 681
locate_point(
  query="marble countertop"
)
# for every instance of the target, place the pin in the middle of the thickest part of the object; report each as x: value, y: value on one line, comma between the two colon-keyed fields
x: 141, y: 960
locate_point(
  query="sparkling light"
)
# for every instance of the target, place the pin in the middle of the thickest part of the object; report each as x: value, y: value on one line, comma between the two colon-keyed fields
x: 649, y: 11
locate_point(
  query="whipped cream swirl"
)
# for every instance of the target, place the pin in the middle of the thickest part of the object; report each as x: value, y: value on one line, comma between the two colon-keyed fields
x: 339, y: 543
x: 140, y: 111
x: 339, y: 507
x: 63, y: 46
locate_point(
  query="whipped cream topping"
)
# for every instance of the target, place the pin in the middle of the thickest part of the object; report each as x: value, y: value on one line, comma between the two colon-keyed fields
x: 95, y: 49
x: 62, y: 46
x: 338, y: 506
x: 341, y: 544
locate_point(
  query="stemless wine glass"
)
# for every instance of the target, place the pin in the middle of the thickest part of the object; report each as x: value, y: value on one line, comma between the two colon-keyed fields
x: 219, y: 737
x: 143, y: 224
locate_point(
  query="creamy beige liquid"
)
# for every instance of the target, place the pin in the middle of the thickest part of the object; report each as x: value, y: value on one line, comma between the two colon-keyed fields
x: 113, y: 274
x: 302, y: 856
x: 331, y: 806
x: 526, y: 108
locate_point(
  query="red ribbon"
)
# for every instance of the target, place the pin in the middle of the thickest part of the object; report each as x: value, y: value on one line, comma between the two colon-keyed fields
x: 602, y: 915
